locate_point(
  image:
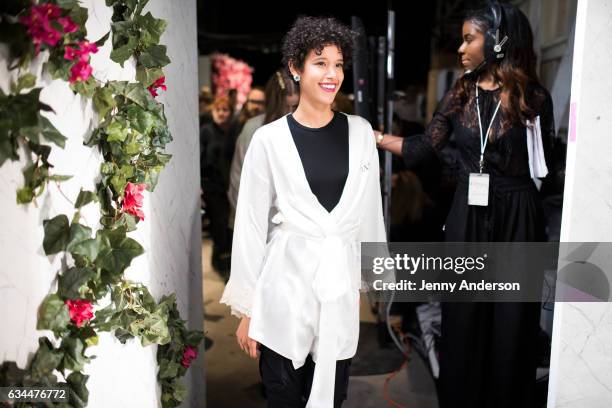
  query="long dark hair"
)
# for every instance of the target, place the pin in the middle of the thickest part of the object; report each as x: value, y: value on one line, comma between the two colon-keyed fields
x: 517, y: 70
x: 278, y: 87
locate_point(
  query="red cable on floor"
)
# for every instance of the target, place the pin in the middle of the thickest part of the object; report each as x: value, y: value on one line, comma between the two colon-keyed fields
x: 393, y: 374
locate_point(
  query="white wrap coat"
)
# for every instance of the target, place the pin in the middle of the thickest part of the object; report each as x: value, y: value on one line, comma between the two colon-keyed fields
x: 295, y: 266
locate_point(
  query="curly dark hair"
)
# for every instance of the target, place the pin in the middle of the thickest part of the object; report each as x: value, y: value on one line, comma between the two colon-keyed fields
x: 315, y: 33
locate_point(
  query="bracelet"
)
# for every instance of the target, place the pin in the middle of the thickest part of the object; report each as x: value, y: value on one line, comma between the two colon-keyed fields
x: 379, y: 138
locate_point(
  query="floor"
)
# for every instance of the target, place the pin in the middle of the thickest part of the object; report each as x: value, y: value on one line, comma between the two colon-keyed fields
x: 232, y: 378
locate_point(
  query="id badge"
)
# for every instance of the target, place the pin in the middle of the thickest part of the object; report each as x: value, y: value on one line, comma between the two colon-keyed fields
x: 478, y: 191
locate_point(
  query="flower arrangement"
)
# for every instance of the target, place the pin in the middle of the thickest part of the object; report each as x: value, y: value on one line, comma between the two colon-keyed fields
x: 230, y: 73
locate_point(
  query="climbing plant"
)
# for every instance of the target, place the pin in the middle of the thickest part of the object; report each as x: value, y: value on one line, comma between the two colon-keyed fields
x: 92, y: 294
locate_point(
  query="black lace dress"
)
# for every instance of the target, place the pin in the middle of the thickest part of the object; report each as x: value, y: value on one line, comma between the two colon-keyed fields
x: 488, y: 350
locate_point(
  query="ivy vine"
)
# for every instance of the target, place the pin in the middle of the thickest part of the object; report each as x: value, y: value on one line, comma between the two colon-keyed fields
x: 131, y: 135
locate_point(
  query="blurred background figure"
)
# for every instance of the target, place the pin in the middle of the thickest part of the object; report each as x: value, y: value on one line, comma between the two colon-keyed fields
x: 206, y: 100
x: 343, y: 103
x: 217, y: 141
x: 255, y: 105
x: 282, y: 97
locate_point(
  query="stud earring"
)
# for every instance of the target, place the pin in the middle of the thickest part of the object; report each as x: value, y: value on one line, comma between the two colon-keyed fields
x: 296, y: 78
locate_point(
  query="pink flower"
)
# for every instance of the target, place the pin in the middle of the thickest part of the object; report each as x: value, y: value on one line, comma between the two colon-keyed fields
x: 39, y: 24
x: 80, y: 310
x: 70, y: 53
x: 67, y: 24
x: 48, y: 9
x: 132, y: 199
x: 81, y: 71
x: 158, y: 84
x: 88, y: 48
x: 189, y: 354
x: 82, y: 52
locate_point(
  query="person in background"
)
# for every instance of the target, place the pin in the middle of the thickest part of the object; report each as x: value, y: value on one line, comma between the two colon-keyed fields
x: 343, y: 104
x: 255, y: 105
x: 217, y: 141
x: 282, y: 96
x: 205, y: 99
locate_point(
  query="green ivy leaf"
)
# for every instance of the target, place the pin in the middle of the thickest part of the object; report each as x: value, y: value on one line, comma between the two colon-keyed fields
x: 85, y: 197
x: 86, y: 88
x: 118, y: 250
x: 77, y: 234
x: 74, y: 357
x: 78, y: 386
x: 25, y: 195
x: 168, y: 369
x: 193, y: 338
x: 124, y: 52
x: 45, y: 360
x: 154, y: 56
x: 140, y: 120
x: 146, y: 76
x: 102, y: 40
x: 72, y: 284
x: 50, y: 133
x: 151, y: 29
x: 59, y: 177
x: 117, y: 131
x: 137, y: 94
x: 89, y: 248
x: 24, y: 82
x: 57, y: 234
x: 103, y: 101
x: 53, y: 314
x: 180, y: 391
x: 153, y: 329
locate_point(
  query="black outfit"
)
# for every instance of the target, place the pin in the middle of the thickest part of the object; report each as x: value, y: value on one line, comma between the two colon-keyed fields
x: 488, y: 350
x: 287, y: 387
x: 324, y: 155
x: 216, y: 151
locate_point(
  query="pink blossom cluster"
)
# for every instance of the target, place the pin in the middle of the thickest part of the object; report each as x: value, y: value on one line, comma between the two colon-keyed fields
x: 81, y: 70
x: 160, y: 83
x: 80, y: 310
x: 133, y: 199
x: 230, y: 73
x: 40, y: 23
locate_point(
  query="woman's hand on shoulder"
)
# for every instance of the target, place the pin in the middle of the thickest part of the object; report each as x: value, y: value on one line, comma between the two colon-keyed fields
x: 248, y: 345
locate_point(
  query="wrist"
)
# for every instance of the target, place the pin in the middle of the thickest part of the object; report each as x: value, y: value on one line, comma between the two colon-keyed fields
x: 379, y: 138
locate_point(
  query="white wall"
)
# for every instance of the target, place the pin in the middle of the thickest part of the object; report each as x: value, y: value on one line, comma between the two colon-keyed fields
x: 581, y: 361
x: 121, y: 375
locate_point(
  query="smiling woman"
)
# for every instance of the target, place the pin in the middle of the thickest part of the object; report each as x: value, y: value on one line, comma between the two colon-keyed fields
x: 309, y: 195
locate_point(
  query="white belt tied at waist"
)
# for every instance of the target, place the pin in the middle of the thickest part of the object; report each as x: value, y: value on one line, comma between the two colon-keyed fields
x: 332, y: 281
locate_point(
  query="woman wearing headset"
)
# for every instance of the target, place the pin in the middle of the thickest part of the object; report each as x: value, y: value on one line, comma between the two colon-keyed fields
x: 488, y: 350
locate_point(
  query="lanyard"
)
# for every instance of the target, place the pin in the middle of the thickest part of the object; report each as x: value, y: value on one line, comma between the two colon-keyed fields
x: 485, y: 139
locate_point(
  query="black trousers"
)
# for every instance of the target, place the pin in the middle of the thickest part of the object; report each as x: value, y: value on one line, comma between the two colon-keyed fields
x: 287, y: 387
x: 217, y: 207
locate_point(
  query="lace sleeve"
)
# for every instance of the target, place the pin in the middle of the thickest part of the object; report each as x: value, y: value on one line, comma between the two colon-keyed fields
x: 419, y: 148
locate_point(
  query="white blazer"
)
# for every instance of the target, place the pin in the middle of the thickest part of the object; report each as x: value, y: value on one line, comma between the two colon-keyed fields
x: 295, y: 266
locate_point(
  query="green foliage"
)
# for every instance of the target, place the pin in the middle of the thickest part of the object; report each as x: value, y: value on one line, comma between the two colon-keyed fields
x: 21, y: 122
x: 132, y: 134
x: 170, y: 356
x: 53, y: 314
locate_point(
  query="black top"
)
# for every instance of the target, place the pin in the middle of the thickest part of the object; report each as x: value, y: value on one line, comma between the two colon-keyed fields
x: 506, y: 151
x: 514, y: 213
x: 325, y: 157
x: 216, y: 152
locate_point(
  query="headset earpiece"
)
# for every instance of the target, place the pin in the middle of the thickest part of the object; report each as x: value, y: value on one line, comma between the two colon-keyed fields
x: 494, y: 47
